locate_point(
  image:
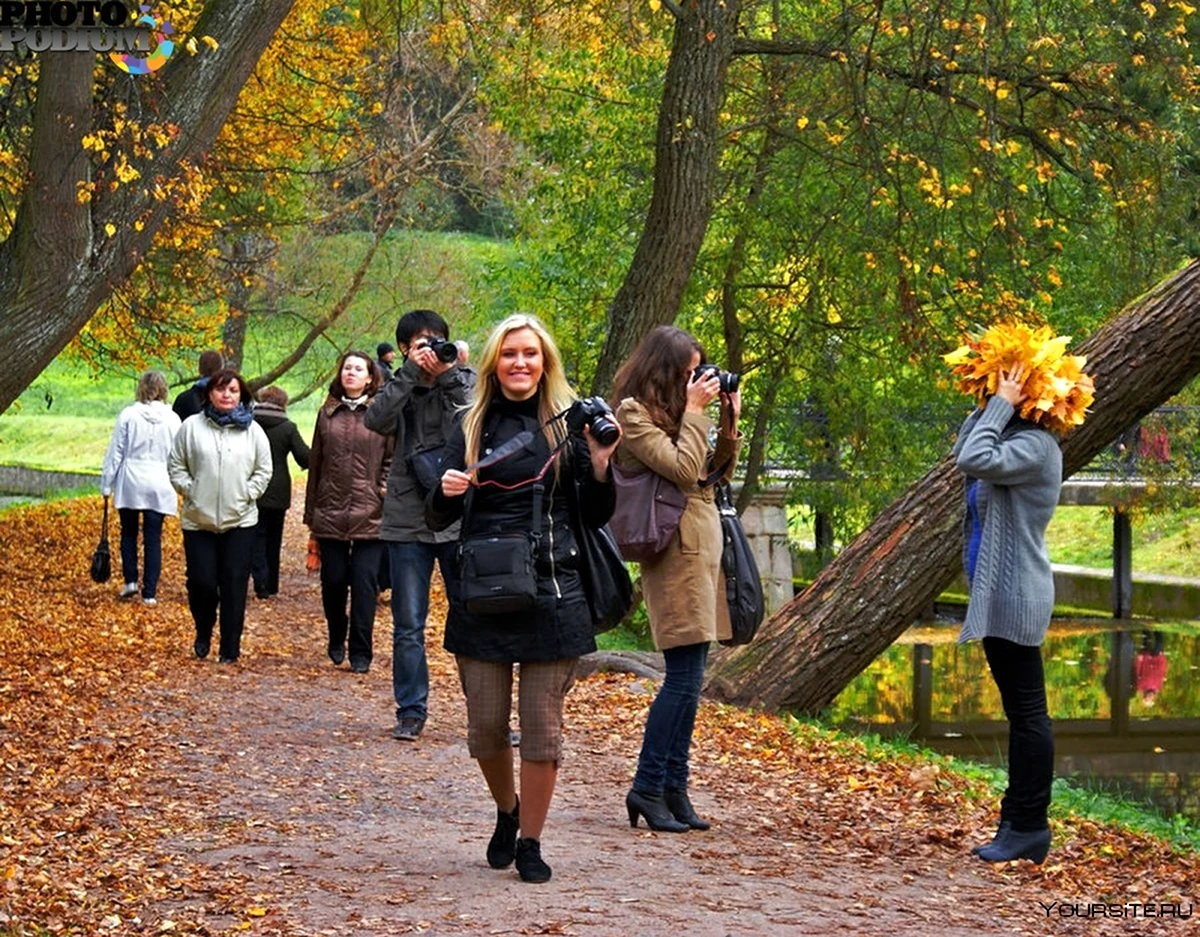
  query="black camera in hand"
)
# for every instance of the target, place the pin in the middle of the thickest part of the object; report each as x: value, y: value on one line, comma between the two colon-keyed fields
x: 443, y: 349
x: 727, y: 379
x: 593, y: 412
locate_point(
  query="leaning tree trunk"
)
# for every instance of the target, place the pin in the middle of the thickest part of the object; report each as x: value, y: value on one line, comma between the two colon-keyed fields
x: 685, y: 164
x: 59, y: 262
x: 859, y: 604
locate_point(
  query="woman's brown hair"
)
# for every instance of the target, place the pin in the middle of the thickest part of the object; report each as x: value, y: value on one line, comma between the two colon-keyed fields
x: 654, y: 375
x: 373, y: 384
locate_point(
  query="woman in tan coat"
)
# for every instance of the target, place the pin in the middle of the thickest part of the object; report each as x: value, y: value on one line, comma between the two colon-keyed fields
x: 665, y: 429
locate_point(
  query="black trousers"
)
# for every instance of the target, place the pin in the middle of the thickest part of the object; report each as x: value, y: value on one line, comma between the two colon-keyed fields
x: 218, y: 573
x: 1017, y: 670
x: 268, y: 543
x: 351, y: 567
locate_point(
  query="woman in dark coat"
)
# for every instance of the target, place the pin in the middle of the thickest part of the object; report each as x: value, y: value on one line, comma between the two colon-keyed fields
x: 343, y: 507
x: 521, y: 386
x: 271, y: 414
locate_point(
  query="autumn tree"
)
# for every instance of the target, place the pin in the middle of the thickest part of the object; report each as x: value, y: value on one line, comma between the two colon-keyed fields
x: 78, y: 230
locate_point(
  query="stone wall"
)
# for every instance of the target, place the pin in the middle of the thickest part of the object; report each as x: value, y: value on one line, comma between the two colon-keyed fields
x: 21, y: 480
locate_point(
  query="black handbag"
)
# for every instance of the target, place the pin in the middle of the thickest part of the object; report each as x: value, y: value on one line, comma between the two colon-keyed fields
x: 497, y: 572
x: 743, y: 586
x: 101, y: 559
x: 605, y: 577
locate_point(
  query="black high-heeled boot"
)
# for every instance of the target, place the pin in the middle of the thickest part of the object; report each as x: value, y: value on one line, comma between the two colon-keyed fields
x: 654, y: 810
x: 682, y: 810
x: 1004, y: 825
x: 1018, y: 844
x: 502, y: 847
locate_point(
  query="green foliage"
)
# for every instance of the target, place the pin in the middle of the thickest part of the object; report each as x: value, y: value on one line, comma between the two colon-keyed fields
x: 65, y: 418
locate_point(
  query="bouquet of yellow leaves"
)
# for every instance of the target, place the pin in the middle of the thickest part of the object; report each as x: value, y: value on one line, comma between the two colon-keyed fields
x: 1058, y: 390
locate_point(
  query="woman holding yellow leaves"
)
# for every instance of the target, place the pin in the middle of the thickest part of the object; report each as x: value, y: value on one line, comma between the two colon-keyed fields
x: 1013, y: 469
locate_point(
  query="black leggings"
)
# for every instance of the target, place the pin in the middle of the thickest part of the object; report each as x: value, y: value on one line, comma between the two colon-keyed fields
x: 1017, y: 670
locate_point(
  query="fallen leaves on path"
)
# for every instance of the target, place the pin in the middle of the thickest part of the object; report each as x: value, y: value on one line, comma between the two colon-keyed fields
x: 142, y: 791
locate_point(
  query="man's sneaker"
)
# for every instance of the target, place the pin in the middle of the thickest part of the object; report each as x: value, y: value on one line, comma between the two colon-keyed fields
x: 150, y: 602
x: 408, y: 728
x: 128, y: 591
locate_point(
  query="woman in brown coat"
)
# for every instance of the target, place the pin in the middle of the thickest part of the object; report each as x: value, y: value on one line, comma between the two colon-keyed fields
x: 665, y: 429
x: 343, y: 507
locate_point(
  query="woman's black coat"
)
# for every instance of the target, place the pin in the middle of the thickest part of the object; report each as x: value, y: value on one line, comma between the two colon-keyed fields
x: 560, y: 627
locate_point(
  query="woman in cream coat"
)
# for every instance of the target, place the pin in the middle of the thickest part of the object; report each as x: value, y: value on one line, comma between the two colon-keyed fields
x: 665, y: 429
x: 221, y: 464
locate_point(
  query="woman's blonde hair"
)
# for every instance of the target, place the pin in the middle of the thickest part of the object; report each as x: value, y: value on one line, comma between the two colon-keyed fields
x: 152, y: 385
x: 556, y: 393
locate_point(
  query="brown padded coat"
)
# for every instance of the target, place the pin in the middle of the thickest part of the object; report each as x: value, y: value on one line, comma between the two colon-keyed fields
x: 682, y: 586
x: 347, y: 475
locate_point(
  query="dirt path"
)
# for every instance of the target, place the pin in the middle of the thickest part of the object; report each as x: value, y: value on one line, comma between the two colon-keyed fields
x: 271, y: 798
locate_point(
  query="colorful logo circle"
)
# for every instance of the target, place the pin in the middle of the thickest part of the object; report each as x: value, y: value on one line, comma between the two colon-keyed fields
x: 157, y: 57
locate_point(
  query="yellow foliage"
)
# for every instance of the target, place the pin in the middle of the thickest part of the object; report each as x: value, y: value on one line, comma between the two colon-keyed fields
x: 1058, y: 390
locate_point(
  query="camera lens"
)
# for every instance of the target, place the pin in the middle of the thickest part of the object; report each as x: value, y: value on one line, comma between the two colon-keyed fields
x: 605, y: 430
x: 729, y: 382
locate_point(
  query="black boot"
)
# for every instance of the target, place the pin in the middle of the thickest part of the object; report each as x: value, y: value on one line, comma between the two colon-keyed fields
x: 655, y: 811
x: 1004, y: 825
x: 502, y: 847
x: 530, y: 865
x: 1017, y: 844
x: 681, y: 809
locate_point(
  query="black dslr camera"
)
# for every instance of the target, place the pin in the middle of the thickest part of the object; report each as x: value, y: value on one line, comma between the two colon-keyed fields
x: 444, y: 349
x: 728, y: 379
x: 595, y: 413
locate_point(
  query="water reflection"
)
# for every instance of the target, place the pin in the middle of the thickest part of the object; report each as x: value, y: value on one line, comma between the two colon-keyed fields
x: 1126, y: 704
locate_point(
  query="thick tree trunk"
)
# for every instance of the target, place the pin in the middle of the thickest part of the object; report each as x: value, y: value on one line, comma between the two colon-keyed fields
x: 58, y: 263
x: 879, y: 584
x: 685, y: 162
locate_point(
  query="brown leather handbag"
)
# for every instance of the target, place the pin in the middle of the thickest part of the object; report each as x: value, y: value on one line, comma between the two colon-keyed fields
x: 647, y: 514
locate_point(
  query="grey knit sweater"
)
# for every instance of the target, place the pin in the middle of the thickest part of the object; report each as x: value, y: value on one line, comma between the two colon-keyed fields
x: 1019, y: 468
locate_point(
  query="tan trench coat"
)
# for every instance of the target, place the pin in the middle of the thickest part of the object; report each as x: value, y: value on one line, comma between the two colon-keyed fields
x: 682, y: 586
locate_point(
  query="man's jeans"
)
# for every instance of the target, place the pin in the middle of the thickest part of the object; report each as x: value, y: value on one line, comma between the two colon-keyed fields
x: 412, y: 570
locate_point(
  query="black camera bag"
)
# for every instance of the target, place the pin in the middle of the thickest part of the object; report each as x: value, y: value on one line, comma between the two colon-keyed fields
x: 497, y: 571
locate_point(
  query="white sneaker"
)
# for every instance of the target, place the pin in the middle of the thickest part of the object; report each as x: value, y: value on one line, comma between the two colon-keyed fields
x: 150, y: 603
x: 128, y: 591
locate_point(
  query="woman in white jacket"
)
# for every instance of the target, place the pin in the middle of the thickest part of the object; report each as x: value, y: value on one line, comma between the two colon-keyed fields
x: 221, y: 464
x: 135, y: 474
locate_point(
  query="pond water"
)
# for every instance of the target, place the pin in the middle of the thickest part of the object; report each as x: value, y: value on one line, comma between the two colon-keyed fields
x: 1125, y: 698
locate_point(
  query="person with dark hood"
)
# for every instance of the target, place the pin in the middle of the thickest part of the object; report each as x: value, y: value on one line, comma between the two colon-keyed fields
x: 271, y: 414
x: 191, y: 401
x: 385, y: 357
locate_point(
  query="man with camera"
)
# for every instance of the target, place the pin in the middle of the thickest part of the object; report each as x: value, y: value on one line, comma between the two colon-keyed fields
x: 418, y: 406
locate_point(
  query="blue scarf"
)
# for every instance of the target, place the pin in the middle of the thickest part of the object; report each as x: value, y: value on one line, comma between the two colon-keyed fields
x: 976, y: 530
x: 239, y: 416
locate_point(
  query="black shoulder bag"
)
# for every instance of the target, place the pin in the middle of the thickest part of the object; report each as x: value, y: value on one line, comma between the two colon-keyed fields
x: 605, y: 577
x: 497, y: 574
x: 743, y: 587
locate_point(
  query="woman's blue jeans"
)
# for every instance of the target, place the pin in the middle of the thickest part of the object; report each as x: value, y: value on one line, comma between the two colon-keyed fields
x: 663, y: 763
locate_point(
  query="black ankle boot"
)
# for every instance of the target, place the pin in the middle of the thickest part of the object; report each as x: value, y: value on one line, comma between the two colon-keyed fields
x: 502, y: 847
x: 530, y: 865
x: 654, y: 810
x: 1017, y: 844
x: 681, y: 809
x: 1004, y: 825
